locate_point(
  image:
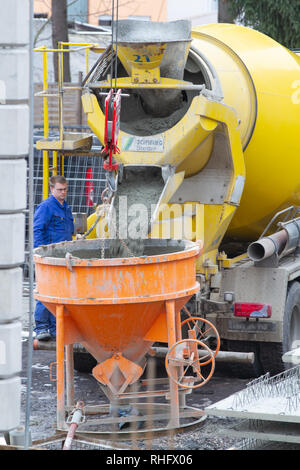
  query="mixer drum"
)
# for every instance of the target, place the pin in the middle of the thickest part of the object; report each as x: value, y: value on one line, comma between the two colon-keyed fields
x: 243, y: 69
x: 268, y: 110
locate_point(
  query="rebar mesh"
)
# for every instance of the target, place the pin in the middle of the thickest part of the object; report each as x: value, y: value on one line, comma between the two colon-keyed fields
x: 281, y: 393
x: 75, y: 170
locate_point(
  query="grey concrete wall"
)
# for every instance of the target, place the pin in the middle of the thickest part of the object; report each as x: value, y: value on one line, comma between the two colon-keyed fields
x: 14, y: 147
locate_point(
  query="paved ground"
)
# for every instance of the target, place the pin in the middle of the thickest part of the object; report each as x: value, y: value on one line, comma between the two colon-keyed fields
x: 43, y: 402
x: 210, y: 435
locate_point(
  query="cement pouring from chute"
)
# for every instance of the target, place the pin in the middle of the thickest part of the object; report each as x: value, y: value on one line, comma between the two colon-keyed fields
x: 133, y: 206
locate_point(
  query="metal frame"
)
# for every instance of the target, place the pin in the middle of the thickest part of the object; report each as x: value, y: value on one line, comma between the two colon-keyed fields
x: 173, y: 413
x: 49, y: 144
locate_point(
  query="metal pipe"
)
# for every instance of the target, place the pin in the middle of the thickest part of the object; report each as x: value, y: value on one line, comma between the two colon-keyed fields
x: 280, y: 243
x: 70, y: 375
x: 222, y: 356
x: 76, y: 420
x: 166, y: 86
x: 268, y: 246
x: 46, y: 128
x: 51, y: 346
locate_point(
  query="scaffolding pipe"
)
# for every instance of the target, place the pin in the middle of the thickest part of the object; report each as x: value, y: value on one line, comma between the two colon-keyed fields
x: 222, y: 356
x: 30, y: 231
x: 160, y: 352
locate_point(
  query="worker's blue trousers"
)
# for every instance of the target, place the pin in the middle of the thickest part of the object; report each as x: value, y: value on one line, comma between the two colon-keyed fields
x: 44, y: 320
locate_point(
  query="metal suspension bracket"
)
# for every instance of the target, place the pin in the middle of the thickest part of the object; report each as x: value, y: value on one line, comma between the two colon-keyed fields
x: 112, y: 127
x: 112, y: 106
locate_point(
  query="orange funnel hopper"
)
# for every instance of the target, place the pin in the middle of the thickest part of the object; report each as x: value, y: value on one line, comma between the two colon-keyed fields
x: 115, y: 307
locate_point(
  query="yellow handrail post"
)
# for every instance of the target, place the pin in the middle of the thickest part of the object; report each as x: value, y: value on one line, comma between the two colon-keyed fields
x: 62, y: 165
x: 60, y: 90
x: 51, y: 144
x: 54, y: 163
x: 87, y: 59
x: 46, y: 126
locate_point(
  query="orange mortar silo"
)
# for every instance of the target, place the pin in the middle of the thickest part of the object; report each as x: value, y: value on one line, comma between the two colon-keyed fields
x: 115, y: 307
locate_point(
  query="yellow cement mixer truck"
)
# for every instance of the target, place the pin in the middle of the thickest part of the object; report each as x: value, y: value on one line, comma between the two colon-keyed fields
x: 208, y: 144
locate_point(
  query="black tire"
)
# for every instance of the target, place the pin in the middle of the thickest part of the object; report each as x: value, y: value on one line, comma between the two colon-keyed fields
x: 84, y: 362
x: 271, y: 353
x: 245, y: 371
x: 271, y: 357
x: 291, y: 320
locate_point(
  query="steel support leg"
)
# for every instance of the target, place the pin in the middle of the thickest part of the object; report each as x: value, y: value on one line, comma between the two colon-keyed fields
x: 182, y: 400
x: 60, y: 383
x: 174, y: 395
x: 70, y: 375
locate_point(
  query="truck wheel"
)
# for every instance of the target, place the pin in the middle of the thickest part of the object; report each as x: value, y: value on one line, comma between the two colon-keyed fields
x: 84, y: 362
x: 271, y: 353
x: 270, y: 356
x: 291, y: 320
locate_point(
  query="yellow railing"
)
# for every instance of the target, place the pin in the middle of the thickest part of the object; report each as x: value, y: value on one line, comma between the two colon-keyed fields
x: 63, y: 47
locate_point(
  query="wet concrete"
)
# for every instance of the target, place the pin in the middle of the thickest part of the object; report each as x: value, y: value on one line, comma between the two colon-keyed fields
x: 91, y: 249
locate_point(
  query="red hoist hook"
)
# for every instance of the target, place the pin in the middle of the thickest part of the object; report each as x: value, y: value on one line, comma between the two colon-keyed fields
x: 112, y: 127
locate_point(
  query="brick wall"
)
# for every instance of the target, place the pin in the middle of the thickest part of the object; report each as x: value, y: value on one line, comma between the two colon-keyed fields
x: 73, y: 112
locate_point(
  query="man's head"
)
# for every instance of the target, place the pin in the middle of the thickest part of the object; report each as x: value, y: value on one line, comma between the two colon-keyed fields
x: 58, y: 187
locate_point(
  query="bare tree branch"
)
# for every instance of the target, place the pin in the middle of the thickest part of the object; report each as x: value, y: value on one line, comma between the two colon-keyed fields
x: 47, y: 22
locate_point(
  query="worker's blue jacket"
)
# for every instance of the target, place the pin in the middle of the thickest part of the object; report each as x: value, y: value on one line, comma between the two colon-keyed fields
x: 52, y: 223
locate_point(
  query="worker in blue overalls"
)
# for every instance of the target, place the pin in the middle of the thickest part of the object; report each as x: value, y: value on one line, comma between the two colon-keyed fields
x: 53, y: 223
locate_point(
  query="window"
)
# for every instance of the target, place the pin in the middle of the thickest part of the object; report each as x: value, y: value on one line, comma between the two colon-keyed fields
x: 40, y: 15
x: 104, y: 20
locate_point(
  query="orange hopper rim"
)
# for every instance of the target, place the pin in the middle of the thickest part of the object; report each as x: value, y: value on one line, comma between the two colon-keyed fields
x: 187, y: 253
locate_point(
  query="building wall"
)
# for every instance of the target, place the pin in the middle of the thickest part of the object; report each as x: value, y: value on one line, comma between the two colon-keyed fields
x: 197, y: 11
x: 155, y: 10
x: 42, y: 6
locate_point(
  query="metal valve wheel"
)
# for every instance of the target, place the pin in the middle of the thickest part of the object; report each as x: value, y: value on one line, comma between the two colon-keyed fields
x: 201, y: 329
x: 185, y: 360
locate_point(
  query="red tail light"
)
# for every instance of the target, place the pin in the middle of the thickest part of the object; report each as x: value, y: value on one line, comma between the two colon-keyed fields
x: 251, y: 310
